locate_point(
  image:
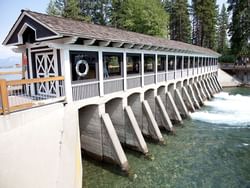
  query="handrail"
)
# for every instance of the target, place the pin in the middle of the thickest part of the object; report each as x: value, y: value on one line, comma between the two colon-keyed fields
x: 34, y: 80
x: 10, y: 72
x: 7, y: 97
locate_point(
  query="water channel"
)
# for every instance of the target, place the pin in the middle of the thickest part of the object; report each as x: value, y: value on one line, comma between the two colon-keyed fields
x: 212, y: 149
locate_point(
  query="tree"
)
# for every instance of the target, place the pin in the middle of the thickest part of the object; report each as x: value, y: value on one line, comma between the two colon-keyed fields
x: 72, y: 10
x: 97, y: 11
x: 143, y: 16
x: 239, y: 28
x: 180, y: 27
x: 204, y: 22
x: 222, y: 42
x: 55, y: 7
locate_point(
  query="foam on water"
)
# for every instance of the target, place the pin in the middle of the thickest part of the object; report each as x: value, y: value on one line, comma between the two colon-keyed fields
x: 232, y: 110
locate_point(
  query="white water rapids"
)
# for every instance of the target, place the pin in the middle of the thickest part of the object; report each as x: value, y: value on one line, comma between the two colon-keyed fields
x: 231, y: 110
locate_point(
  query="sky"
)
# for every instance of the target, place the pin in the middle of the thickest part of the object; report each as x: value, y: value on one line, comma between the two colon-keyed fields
x: 11, y: 9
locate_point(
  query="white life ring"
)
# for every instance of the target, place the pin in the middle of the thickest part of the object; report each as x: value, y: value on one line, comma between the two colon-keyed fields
x: 82, y: 74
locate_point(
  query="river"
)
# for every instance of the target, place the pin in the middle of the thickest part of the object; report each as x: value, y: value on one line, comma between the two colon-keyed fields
x: 212, y: 149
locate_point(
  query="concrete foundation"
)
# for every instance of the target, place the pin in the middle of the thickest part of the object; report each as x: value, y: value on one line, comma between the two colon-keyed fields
x: 193, y: 97
x: 172, y: 109
x: 187, y: 100
x: 181, y: 105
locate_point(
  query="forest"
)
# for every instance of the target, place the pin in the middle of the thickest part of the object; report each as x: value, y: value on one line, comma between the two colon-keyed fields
x: 224, y: 29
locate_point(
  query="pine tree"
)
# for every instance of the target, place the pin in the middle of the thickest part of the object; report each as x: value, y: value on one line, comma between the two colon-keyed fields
x: 180, y: 28
x: 72, y: 10
x: 239, y: 29
x: 222, y: 42
x: 204, y: 22
x: 97, y: 11
x: 143, y: 16
x: 55, y: 7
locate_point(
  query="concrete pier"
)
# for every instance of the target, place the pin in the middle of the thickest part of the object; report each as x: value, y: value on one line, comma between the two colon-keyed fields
x: 164, y: 117
x: 134, y: 135
x: 187, y: 100
x: 198, y: 94
x: 193, y: 97
x: 172, y: 110
x: 181, y: 105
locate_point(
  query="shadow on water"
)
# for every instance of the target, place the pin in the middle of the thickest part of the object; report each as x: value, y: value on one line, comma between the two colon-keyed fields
x: 113, y: 168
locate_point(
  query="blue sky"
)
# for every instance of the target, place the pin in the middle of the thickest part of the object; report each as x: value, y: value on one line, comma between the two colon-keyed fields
x: 10, y: 10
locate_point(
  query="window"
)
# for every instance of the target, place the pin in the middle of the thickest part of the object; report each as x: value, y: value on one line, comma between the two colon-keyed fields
x: 179, y: 62
x: 185, y: 62
x: 196, y: 62
x: 206, y: 61
x: 161, y: 62
x: 83, y: 65
x: 133, y: 63
x: 149, y: 61
x: 112, y: 64
x: 191, y: 62
x: 171, y: 60
x: 200, y: 61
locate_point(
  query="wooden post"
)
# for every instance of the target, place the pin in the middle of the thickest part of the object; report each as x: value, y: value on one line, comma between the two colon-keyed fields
x: 4, y: 96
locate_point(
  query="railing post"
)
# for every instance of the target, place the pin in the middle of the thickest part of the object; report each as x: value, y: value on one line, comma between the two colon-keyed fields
x: 4, y: 96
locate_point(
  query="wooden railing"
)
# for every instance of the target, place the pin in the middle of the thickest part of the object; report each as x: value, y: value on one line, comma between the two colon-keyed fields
x: 22, y: 94
x: 10, y: 72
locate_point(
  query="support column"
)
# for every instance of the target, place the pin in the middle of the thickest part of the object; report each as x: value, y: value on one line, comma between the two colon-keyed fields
x: 142, y: 69
x: 164, y: 115
x: 152, y: 125
x: 205, y: 90
x: 208, y: 87
x: 181, y: 105
x: 193, y: 98
x: 118, y: 153
x: 215, y: 84
x: 198, y: 94
x: 100, y: 68
x: 125, y: 71
x: 134, y: 135
x: 187, y: 100
x: 203, y: 94
x: 172, y: 109
x: 67, y: 74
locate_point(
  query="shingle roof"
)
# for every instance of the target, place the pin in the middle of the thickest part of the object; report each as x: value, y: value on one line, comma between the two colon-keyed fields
x: 69, y: 27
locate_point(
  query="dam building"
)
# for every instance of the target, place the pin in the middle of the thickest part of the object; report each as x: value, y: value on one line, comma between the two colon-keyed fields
x: 92, y: 90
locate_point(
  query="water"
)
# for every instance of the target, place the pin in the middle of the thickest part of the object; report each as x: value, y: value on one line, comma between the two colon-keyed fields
x: 12, y: 76
x: 211, y: 150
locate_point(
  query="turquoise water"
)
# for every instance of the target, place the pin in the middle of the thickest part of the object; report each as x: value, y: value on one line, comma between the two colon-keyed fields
x: 211, y: 150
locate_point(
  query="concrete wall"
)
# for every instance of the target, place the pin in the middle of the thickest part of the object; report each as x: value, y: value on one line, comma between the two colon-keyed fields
x: 39, y: 149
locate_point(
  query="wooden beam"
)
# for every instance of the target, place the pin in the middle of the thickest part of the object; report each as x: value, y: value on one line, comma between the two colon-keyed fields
x: 89, y: 42
x: 128, y: 45
x: 70, y: 40
x: 10, y: 73
x: 117, y: 44
x: 4, y: 96
x: 147, y: 47
x: 138, y: 46
x: 161, y: 48
x: 154, y: 48
x: 104, y: 43
x: 34, y: 80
